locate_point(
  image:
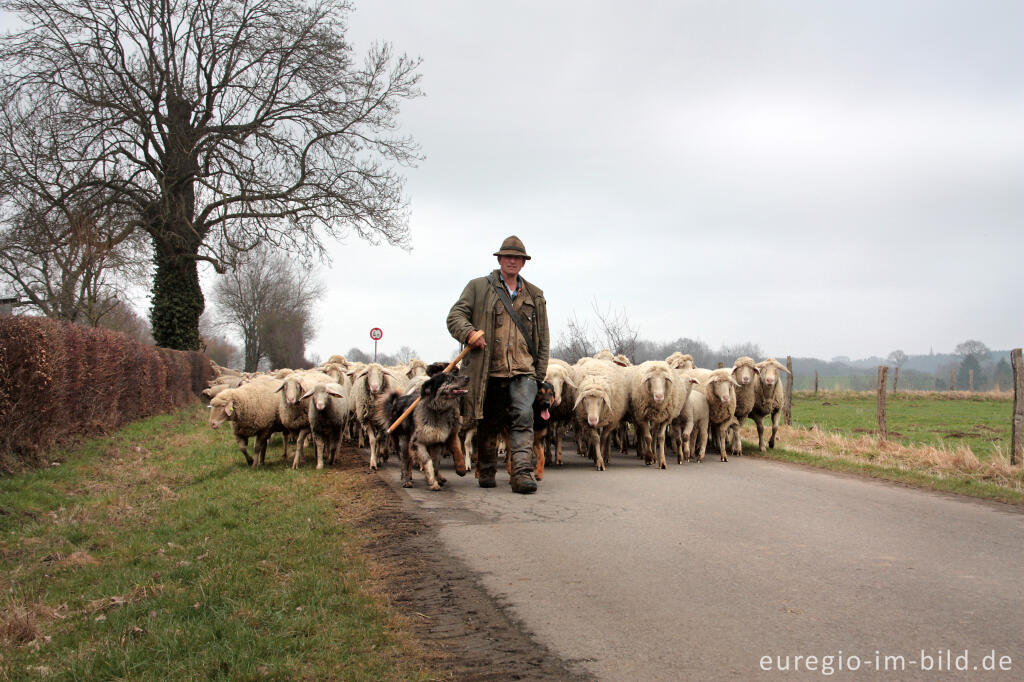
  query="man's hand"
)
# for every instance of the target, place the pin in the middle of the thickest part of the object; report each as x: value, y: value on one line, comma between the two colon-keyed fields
x: 476, y: 339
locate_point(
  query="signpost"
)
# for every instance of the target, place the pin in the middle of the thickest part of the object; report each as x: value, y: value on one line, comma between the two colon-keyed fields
x: 376, y: 335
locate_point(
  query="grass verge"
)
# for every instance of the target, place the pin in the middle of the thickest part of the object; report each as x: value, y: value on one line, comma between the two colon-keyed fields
x: 154, y: 553
x: 954, y: 470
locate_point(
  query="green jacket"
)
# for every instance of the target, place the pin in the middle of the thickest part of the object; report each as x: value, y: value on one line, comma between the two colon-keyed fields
x: 477, y: 308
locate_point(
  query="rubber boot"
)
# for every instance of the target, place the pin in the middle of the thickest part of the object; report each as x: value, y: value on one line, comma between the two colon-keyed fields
x: 522, y: 474
x: 487, y: 465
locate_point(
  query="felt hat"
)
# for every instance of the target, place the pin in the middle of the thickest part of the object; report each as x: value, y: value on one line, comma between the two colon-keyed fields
x: 512, y: 246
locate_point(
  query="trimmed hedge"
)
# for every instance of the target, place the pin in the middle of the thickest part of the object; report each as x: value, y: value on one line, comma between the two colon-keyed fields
x: 60, y: 380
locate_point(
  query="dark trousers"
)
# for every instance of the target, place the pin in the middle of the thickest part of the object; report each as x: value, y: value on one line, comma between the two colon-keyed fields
x: 507, y: 405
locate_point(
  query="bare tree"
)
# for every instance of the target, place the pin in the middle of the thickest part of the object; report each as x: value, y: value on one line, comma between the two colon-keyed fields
x: 69, y: 261
x: 218, y: 124
x: 973, y: 349
x: 619, y: 334
x: 268, y: 300
x: 574, y: 341
x: 121, y: 317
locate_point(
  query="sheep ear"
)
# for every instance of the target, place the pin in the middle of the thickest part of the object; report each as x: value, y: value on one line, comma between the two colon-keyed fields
x: 694, y: 380
x: 734, y: 382
x: 279, y: 388
x: 307, y: 394
x: 579, y: 399
x: 607, y: 401
x: 780, y: 366
x: 229, y: 408
x: 670, y: 377
x: 568, y: 380
x: 335, y: 390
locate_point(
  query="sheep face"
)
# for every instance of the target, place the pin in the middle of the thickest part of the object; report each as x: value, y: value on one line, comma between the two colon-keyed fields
x: 658, y: 383
x: 744, y: 374
x: 221, y: 410
x: 595, y: 404
x: 720, y: 391
x: 291, y: 390
x: 769, y: 371
x: 558, y: 381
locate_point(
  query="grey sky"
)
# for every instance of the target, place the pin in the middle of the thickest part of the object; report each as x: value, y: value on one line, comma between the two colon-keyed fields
x: 821, y: 178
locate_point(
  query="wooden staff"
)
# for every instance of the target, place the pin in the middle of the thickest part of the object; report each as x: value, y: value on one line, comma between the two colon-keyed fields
x: 451, y: 365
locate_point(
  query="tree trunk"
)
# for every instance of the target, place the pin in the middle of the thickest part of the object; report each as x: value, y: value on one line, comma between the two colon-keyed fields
x: 815, y: 382
x: 177, y: 297
x: 1017, y: 436
x: 896, y: 380
x: 970, y: 380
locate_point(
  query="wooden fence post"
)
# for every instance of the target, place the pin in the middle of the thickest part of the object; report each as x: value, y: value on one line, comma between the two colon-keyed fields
x: 1017, y: 438
x: 789, y: 391
x: 970, y: 380
x: 896, y: 380
x: 883, y: 375
x: 815, y: 382
x: 952, y: 379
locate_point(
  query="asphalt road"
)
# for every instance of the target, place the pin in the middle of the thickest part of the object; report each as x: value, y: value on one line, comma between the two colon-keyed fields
x: 733, y: 570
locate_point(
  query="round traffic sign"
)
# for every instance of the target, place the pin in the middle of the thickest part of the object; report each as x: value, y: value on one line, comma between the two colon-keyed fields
x: 376, y: 333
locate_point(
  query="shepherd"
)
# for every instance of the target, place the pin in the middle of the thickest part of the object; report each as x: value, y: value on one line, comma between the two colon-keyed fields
x: 505, y: 363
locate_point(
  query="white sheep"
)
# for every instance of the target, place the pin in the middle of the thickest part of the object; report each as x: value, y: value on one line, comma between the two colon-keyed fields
x: 770, y: 396
x: 657, y: 394
x: 602, y: 397
x: 691, y: 429
x: 292, y: 410
x: 720, y: 391
x: 745, y: 372
x: 561, y: 377
x: 328, y: 414
x: 680, y: 361
x: 252, y: 411
x: 368, y: 384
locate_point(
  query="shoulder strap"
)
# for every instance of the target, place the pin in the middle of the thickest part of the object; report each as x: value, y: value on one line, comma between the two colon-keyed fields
x: 507, y: 302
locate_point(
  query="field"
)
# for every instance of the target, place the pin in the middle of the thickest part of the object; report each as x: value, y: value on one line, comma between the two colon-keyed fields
x: 153, y: 554
x: 982, y: 422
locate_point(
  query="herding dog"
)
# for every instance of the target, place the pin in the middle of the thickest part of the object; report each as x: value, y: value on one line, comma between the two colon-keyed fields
x: 541, y: 421
x: 432, y: 427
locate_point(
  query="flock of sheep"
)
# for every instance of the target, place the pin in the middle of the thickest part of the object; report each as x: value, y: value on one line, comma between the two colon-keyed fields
x: 598, y: 397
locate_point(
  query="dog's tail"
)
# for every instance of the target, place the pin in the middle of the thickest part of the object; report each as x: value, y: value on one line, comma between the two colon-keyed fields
x: 386, y: 410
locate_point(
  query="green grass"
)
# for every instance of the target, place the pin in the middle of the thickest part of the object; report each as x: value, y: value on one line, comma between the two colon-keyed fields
x: 156, y: 554
x: 981, y: 423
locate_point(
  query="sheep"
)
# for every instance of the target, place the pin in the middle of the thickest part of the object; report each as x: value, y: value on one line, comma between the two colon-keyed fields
x: 656, y: 396
x: 252, y: 411
x: 720, y: 391
x: 745, y: 372
x: 292, y: 410
x: 415, y: 368
x: 562, y: 380
x: 328, y: 415
x: 770, y: 396
x: 691, y: 429
x: 602, y: 397
x: 680, y: 361
x: 367, y: 385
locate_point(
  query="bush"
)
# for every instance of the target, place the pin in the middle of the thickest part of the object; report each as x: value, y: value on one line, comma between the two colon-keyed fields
x: 60, y: 380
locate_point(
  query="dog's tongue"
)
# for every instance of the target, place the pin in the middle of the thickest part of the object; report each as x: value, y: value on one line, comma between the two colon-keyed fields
x: 545, y: 415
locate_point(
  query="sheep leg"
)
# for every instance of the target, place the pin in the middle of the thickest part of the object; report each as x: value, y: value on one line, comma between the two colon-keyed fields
x: 243, y: 445
x: 776, y: 417
x: 320, y: 443
x: 661, y: 445
x: 373, y: 448
x: 595, y: 438
x: 261, y: 446
x: 644, y: 441
x: 701, y: 437
x: 719, y: 433
x: 760, y: 433
x: 687, y: 439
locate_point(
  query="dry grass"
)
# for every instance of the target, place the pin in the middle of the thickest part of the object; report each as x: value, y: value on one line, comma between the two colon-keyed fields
x: 940, y: 461
x: 995, y: 396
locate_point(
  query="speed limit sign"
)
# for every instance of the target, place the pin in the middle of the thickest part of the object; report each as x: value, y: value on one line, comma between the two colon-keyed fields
x: 376, y: 334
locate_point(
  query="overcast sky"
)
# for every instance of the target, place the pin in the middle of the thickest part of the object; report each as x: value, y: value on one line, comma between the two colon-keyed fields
x: 820, y: 178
